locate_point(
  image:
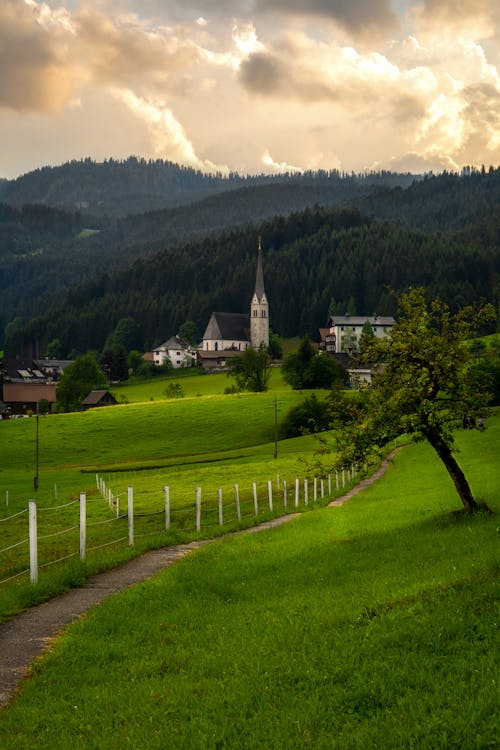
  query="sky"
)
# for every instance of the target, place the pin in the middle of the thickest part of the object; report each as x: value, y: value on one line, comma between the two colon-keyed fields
x: 251, y: 85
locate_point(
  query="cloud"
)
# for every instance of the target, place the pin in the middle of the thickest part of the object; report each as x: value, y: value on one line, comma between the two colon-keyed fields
x: 36, y: 71
x: 168, y: 136
x: 357, y: 16
x: 281, y: 167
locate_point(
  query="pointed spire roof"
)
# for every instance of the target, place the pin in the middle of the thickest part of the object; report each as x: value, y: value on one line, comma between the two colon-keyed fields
x: 259, y: 278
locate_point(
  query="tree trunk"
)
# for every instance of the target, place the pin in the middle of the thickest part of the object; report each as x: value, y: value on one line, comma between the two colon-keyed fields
x: 461, y: 484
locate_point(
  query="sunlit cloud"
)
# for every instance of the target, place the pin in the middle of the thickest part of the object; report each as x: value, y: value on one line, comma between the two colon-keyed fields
x: 281, y: 166
x: 321, y: 82
x: 168, y: 137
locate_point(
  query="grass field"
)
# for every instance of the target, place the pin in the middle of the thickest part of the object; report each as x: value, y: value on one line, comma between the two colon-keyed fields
x: 372, y: 625
x: 213, y: 442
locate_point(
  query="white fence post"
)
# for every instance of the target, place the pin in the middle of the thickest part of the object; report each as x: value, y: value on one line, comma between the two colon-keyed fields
x: 270, y: 494
x: 221, y: 516
x: 343, y: 477
x: 83, y: 525
x: 130, y: 513
x: 237, y: 496
x: 329, y: 484
x: 167, y: 507
x: 336, y: 480
x: 306, y: 492
x: 198, y: 508
x: 33, y: 542
x: 315, y: 490
x: 284, y: 493
x: 322, y: 488
x: 255, y: 500
x: 297, y: 491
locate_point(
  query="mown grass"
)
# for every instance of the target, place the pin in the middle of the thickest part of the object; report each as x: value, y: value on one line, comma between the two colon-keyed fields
x: 212, y: 442
x: 367, y: 626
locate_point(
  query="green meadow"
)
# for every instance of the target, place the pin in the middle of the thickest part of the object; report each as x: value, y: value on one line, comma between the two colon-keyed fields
x: 214, y: 442
x: 371, y: 625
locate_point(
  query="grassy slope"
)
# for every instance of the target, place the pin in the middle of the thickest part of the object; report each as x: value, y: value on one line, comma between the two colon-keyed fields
x: 370, y: 625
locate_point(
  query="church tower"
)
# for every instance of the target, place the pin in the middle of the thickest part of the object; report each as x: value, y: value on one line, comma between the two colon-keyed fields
x: 259, y: 308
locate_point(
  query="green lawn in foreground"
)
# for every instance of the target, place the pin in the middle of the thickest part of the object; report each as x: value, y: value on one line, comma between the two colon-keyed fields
x: 367, y: 626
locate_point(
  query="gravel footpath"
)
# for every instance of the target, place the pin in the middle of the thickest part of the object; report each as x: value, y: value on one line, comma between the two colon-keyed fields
x: 29, y: 634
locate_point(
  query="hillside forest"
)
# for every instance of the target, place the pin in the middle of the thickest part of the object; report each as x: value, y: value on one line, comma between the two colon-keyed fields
x: 332, y: 244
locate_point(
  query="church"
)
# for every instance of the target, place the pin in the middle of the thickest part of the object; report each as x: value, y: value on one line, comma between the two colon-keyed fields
x: 229, y: 334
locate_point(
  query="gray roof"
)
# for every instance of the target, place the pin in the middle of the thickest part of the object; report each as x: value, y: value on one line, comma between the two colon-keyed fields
x: 174, y: 342
x: 359, y: 320
x: 259, y: 277
x: 228, y: 326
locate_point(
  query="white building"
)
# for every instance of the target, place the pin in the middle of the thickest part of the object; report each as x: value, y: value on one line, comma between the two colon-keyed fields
x: 343, y: 332
x: 177, y: 351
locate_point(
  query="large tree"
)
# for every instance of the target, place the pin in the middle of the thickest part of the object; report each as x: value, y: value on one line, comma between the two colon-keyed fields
x: 78, y: 379
x: 251, y: 369
x: 424, y: 386
x: 308, y: 368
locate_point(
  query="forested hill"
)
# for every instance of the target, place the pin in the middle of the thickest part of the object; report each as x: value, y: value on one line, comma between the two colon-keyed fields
x: 438, y: 203
x: 315, y: 262
x: 133, y: 186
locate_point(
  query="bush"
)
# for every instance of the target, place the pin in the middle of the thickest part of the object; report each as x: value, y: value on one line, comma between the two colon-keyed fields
x: 311, y: 415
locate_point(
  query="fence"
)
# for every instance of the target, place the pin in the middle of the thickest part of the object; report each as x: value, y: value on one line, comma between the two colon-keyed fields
x: 205, y: 513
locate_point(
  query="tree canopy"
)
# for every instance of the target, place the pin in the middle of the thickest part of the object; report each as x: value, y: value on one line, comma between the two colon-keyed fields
x: 308, y: 368
x: 423, y: 386
x: 251, y: 369
x: 78, y: 379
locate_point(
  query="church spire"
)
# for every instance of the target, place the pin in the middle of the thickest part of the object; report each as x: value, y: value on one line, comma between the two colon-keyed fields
x: 259, y: 277
x: 259, y: 307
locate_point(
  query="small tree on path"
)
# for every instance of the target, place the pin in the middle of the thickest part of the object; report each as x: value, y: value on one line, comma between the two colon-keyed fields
x: 423, y: 388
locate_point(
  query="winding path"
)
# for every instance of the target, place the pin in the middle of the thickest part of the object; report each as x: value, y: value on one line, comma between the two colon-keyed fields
x: 26, y: 636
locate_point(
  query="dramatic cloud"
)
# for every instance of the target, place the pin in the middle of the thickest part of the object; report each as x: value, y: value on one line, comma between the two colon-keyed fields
x: 36, y: 72
x: 355, y: 16
x: 315, y: 83
x: 168, y: 136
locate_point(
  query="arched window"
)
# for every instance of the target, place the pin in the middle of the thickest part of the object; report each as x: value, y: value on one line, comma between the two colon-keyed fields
x: 216, y: 346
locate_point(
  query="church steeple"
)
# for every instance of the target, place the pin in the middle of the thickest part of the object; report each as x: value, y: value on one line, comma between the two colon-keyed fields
x: 259, y: 307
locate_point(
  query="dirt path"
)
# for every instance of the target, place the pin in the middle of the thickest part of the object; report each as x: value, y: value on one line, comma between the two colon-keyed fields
x: 365, y: 482
x: 29, y: 634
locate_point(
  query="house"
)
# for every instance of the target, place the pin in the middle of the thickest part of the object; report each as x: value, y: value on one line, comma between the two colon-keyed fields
x: 232, y: 333
x: 343, y: 332
x: 179, y: 352
x: 19, y: 370
x: 98, y: 398
x: 21, y: 398
x: 52, y: 368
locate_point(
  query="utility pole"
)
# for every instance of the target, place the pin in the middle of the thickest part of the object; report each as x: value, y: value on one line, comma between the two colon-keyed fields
x: 35, y: 481
x: 275, y: 427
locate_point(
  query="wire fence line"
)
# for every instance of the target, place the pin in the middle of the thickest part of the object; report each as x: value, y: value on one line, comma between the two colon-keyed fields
x: 207, y: 512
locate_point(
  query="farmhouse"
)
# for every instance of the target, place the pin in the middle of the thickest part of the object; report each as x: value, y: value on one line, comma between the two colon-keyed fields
x: 228, y: 334
x: 22, y: 398
x: 180, y: 353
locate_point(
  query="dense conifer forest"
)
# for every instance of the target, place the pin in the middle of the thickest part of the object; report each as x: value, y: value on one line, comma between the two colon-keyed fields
x: 73, y: 277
